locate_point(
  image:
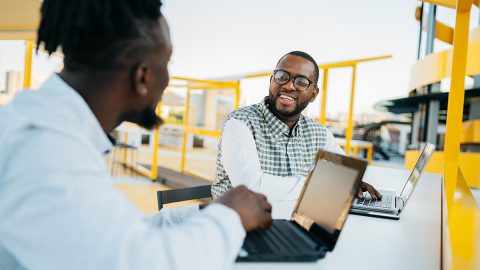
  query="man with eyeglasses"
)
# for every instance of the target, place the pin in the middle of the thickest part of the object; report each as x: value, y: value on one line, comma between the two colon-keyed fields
x: 270, y: 146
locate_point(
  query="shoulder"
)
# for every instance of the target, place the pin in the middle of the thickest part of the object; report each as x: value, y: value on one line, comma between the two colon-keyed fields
x: 250, y: 115
x: 41, y: 149
x: 246, y: 113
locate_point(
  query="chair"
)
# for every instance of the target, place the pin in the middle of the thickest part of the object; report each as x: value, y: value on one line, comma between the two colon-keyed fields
x: 183, y: 194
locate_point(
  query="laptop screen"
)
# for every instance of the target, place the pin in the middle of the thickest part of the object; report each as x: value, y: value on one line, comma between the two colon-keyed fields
x: 327, y: 196
x: 331, y: 186
x: 417, y: 172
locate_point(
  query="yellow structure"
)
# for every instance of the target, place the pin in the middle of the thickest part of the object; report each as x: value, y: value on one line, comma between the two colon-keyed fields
x: 461, y: 248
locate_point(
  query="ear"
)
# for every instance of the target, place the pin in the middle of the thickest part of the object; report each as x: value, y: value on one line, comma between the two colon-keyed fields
x: 140, y: 79
x: 315, y: 91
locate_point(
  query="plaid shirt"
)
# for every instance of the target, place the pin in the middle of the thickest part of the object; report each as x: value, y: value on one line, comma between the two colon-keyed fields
x: 281, y: 152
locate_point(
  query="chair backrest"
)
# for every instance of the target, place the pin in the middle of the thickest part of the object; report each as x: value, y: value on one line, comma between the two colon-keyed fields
x: 183, y: 194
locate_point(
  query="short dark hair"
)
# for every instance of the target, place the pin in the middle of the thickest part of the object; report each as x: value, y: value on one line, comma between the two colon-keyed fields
x: 99, y: 34
x: 308, y: 57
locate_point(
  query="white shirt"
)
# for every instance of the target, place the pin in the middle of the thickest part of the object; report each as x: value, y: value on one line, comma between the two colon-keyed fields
x: 241, y: 162
x: 59, y: 209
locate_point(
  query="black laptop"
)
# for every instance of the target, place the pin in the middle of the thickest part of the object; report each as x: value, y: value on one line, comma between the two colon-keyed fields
x: 318, y: 217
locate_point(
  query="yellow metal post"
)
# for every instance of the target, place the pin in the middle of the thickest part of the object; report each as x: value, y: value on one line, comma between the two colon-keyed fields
x: 455, y: 103
x: 370, y: 154
x: 237, y: 95
x: 323, y: 118
x: 125, y: 140
x: 27, y: 69
x: 185, y: 131
x: 349, y: 134
x: 154, y: 174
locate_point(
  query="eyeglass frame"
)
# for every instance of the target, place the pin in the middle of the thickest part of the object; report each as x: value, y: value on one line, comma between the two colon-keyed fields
x: 292, y: 78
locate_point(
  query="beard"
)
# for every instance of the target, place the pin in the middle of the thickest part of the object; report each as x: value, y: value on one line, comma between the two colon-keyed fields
x: 272, y: 106
x: 147, y: 119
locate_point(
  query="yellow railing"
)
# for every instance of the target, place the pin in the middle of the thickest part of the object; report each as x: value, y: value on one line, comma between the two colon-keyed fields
x: 326, y: 67
x: 353, y: 64
x: 189, y: 84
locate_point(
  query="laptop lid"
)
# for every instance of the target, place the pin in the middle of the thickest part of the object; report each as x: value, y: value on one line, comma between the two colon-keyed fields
x: 327, y: 195
x: 416, y: 173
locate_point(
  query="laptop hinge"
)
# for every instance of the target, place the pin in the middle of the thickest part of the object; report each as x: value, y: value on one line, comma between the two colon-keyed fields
x: 306, y: 224
x: 401, y: 203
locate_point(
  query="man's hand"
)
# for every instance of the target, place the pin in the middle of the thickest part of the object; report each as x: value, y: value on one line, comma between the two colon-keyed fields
x: 253, y: 208
x: 367, y: 187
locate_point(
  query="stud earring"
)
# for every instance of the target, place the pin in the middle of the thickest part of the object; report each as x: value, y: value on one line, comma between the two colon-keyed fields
x: 143, y: 91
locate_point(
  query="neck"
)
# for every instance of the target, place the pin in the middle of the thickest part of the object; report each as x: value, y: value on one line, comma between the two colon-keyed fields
x: 98, y: 95
x: 289, y: 121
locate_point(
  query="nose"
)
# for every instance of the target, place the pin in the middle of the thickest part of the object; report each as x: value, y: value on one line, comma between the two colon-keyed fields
x: 289, y: 85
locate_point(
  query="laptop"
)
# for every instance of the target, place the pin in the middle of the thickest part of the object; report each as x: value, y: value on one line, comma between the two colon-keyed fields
x: 318, y: 216
x: 391, y: 204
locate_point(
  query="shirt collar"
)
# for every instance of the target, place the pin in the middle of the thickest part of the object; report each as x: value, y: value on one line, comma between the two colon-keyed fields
x: 277, y: 127
x: 77, y: 110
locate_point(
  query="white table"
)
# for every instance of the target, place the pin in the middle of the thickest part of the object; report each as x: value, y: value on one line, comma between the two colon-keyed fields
x: 413, y: 242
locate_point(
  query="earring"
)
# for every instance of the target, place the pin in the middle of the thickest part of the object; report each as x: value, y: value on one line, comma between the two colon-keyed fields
x: 143, y: 91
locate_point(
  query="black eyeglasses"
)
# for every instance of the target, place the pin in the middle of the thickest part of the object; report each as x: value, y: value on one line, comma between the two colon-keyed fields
x: 300, y: 83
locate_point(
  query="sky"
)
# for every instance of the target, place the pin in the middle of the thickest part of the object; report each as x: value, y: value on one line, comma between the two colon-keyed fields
x: 225, y: 38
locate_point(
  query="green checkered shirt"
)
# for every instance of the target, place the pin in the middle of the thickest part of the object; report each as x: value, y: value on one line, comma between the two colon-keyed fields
x: 280, y: 152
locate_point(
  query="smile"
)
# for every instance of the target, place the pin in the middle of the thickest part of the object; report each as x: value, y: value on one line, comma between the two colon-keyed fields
x: 287, y: 97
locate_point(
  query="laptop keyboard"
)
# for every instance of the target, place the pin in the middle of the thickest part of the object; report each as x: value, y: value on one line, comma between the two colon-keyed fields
x: 281, y: 237
x: 385, y: 202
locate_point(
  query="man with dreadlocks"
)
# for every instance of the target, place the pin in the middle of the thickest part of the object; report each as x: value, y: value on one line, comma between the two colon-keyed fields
x: 58, y: 207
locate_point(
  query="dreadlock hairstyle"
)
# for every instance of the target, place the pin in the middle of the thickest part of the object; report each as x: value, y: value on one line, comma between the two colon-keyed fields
x: 100, y: 34
x: 306, y: 56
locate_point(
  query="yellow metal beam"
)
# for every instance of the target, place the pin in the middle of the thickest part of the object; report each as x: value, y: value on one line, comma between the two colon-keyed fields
x: 185, y: 131
x: 215, y: 133
x: 353, y: 62
x: 125, y: 141
x: 207, y: 83
x: 443, y: 3
x: 27, y: 68
x: 154, y: 172
x: 139, y: 169
x: 443, y: 32
x: 237, y: 95
x: 349, y: 134
x: 347, y: 63
x: 323, y: 105
x: 471, y: 132
x: 265, y: 74
x: 455, y: 103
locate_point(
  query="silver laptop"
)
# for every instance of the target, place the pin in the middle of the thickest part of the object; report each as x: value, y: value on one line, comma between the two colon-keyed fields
x: 391, y: 204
